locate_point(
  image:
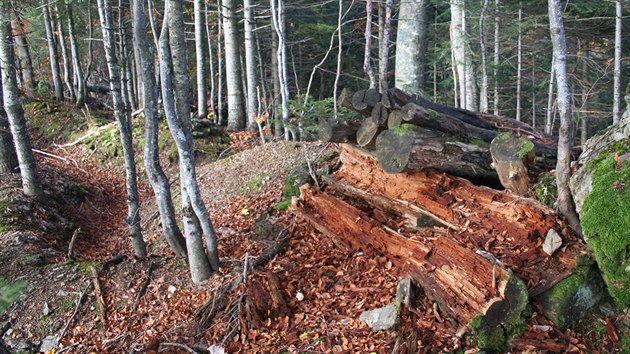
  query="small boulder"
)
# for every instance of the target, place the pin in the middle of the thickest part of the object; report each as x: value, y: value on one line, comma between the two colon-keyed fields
x: 553, y: 241
x: 379, y: 319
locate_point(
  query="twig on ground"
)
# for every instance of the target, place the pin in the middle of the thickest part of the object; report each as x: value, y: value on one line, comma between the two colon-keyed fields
x: 177, y: 345
x: 86, y: 136
x: 113, y: 261
x: 102, y: 309
x: 74, y: 313
x: 143, y: 290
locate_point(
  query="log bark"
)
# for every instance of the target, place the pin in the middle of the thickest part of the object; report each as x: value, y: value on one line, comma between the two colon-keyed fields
x: 474, y: 291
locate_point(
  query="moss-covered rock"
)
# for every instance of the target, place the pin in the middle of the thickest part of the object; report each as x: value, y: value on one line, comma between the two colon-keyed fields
x: 605, y: 217
x: 573, y: 297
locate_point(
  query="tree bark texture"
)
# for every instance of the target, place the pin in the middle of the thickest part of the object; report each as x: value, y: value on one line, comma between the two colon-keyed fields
x: 8, y: 158
x: 411, y: 46
x: 200, y: 55
x: 250, y: 65
x: 565, y: 135
x: 52, y: 53
x: 123, y: 118
x: 617, y: 65
x: 385, y: 45
x: 160, y: 183
x: 78, y: 81
x: 367, y: 53
x: 277, y: 14
x: 11, y: 98
x: 483, y: 92
x: 236, y: 105
x: 24, y: 56
x: 67, y: 66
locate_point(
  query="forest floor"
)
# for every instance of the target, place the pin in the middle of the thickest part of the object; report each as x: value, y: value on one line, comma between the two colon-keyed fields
x: 151, y: 305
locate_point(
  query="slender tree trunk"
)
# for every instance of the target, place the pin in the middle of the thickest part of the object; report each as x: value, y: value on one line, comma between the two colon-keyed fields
x: 549, y: 113
x: 78, y: 80
x: 339, y: 56
x: 519, y: 67
x: 563, y: 166
x: 124, y: 124
x: 483, y: 94
x: 367, y: 54
x: 154, y: 33
x: 90, y: 51
x: 277, y: 12
x: 411, y: 46
x: 67, y: 74
x: 8, y: 158
x: 496, y: 57
x: 533, y: 91
x: 144, y: 56
x: 14, y: 111
x: 584, y: 115
x: 221, y: 119
x: 617, y: 65
x: 381, y: 32
x: 52, y: 54
x: 250, y: 65
x: 236, y: 111
x: 458, y: 48
x: 210, y: 62
x: 24, y: 56
x: 275, y: 76
x: 384, y: 62
x: 126, y: 75
x: 200, y: 54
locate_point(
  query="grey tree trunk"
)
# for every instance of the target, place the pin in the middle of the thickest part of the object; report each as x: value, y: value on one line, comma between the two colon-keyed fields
x: 533, y: 90
x: 496, y: 58
x: 77, y: 79
x: 126, y: 75
x: 175, y: 85
x: 52, y: 53
x: 339, y: 57
x: 24, y: 56
x: 124, y: 124
x: 213, y: 94
x: 8, y: 157
x: 13, y: 108
x: 617, y: 65
x: 565, y: 139
x: 275, y: 77
x: 411, y: 46
x: 519, y: 65
x: 367, y: 53
x: 200, y: 54
x: 384, y: 61
x: 220, y: 119
x: 458, y: 48
x: 549, y: 113
x: 143, y: 52
x: 483, y: 94
x: 277, y: 13
x: 472, y: 100
x: 250, y: 65
x: 90, y: 51
x: 154, y: 32
x: 67, y: 75
x: 236, y: 106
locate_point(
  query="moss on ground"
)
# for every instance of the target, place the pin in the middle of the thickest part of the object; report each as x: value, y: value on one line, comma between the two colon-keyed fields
x: 606, y: 220
x: 546, y: 190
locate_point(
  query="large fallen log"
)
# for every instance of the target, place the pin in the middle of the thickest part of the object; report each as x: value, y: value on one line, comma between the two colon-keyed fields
x: 474, y: 291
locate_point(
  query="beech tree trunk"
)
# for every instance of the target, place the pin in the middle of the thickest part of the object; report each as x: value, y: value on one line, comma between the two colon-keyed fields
x: 15, y: 113
x: 367, y: 53
x: 496, y: 58
x: 549, y: 116
x: 411, y: 46
x: 143, y: 51
x: 52, y: 53
x: 275, y: 77
x: 8, y: 158
x: 220, y: 119
x: 250, y: 65
x: 277, y: 14
x: 200, y: 54
x: 236, y: 105
x: 78, y: 80
x: 519, y: 61
x: 67, y: 72
x: 24, y: 56
x: 123, y: 118
x: 385, y: 44
x: 483, y: 94
x: 174, y: 75
x: 565, y: 136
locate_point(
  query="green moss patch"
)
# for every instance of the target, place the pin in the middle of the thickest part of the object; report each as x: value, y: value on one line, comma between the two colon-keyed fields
x: 403, y: 129
x: 606, y: 220
x: 546, y: 190
x: 573, y: 297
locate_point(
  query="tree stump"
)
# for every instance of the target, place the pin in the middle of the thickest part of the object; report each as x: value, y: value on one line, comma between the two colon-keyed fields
x: 511, y: 158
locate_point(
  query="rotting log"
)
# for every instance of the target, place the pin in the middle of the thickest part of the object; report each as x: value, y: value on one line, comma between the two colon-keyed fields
x: 474, y: 291
x: 338, y: 132
x: 411, y: 148
x: 510, y: 227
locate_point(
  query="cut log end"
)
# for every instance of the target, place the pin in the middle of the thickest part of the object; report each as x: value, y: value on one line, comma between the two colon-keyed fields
x: 393, y: 150
x: 511, y: 157
x: 367, y: 132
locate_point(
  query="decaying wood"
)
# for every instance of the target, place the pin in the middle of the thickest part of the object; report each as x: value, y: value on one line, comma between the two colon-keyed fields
x: 511, y: 159
x: 74, y: 313
x: 144, y: 287
x: 338, y: 132
x: 265, y: 299
x: 100, y: 299
x: 73, y: 241
x: 510, y: 227
x: 457, y: 278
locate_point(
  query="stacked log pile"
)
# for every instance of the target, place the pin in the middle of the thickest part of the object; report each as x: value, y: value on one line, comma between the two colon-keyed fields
x: 474, y: 250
